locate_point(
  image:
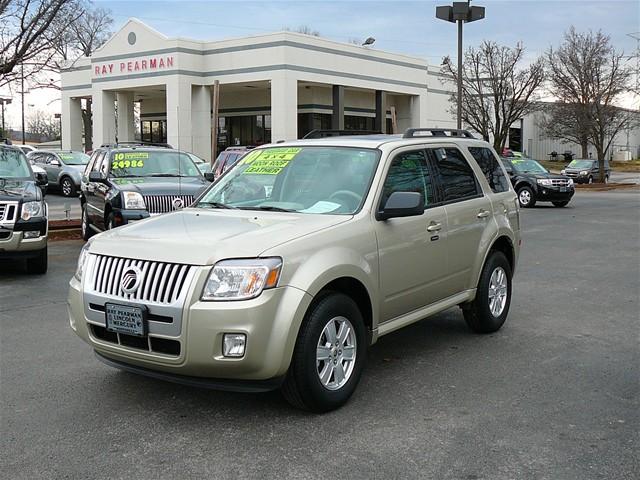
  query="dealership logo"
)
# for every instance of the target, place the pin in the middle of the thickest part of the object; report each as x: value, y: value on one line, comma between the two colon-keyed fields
x: 146, y: 64
x: 177, y: 203
x: 131, y: 279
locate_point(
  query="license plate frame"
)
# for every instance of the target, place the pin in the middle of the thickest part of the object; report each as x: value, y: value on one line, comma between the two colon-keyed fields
x: 563, y: 189
x: 132, y: 319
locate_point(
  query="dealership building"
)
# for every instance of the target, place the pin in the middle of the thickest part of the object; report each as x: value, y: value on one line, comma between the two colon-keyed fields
x: 279, y: 86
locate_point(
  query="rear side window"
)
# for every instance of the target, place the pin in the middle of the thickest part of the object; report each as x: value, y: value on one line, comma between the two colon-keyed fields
x: 455, y: 174
x: 491, y: 168
x: 408, y: 173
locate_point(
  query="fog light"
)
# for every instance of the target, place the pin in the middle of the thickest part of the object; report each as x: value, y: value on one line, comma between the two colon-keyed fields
x: 233, y: 344
x: 32, y: 234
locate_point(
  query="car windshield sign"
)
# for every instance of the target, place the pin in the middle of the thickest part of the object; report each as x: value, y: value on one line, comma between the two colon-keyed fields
x: 326, y: 180
x: 13, y: 164
x: 580, y: 164
x: 74, y: 158
x: 528, y: 166
x: 152, y: 164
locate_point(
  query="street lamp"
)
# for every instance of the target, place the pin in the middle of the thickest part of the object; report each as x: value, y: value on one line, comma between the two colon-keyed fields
x: 4, y: 101
x: 460, y: 12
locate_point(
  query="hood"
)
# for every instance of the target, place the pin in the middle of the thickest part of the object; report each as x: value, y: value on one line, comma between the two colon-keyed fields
x: 202, y: 237
x: 16, y: 190
x: 162, y: 185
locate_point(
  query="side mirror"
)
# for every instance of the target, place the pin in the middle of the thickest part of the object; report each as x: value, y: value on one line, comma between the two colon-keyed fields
x: 210, y: 176
x: 96, y: 177
x: 55, y: 163
x: 402, y: 204
x: 41, y: 180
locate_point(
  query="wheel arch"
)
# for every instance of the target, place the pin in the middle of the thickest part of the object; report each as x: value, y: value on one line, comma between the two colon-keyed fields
x: 503, y: 242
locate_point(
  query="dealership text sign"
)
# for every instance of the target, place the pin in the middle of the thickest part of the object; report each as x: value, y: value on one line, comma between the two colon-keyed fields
x: 132, y: 66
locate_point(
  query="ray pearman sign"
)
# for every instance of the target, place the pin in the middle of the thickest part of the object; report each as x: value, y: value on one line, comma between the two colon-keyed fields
x: 131, y: 66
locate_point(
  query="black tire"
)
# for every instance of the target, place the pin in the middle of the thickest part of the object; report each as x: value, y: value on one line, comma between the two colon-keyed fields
x: 87, y: 231
x: 302, y: 387
x: 67, y: 187
x: 110, y: 223
x: 477, y: 314
x: 38, y: 265
x: 560, y: 204
x: 522, y: 198
x: 606, y: 179
x: 590, y: 181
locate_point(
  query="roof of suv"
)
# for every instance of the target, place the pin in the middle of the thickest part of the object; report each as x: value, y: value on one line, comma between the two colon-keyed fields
x: 375, y: 141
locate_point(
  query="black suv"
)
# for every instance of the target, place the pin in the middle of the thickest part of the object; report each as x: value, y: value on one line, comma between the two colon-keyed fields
x: 122, y: 184
x: 534, y: 183
x: 23, y: 212
x: 586, y: 171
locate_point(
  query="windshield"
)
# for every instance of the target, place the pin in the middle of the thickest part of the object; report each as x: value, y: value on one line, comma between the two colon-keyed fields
x: 152, y: 164
x: 74, y: 158
x: 330, y: 180
x: 580, y: 164
x: 13, y: 164
x: 526, y: 165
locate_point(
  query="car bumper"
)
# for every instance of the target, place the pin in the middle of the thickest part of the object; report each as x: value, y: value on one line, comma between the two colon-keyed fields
x: 546, y: 194
x: 270, y: 323
x: 13, y: 243
x: 124, y: 217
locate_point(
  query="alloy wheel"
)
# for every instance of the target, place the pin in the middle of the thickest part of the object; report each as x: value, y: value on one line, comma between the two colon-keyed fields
x: 498, y: 291
x: 336, y: 353
x: 67, y: 188
x: 525, y: 197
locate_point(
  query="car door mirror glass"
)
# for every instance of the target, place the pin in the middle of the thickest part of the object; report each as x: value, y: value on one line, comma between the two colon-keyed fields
x: 402, y: 204
x: 210, y: 176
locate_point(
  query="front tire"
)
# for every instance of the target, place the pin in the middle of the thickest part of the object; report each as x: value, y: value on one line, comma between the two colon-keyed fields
x: 526, y: 197
x: 67, y: 187
x: 590, y: 181
x: 560, y: 204
x: 329, y: 355
x: 38, y: 265
x: 488, y: 311
x: 87, y: 231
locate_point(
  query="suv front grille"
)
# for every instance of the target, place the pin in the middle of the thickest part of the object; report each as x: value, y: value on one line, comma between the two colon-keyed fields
x: 559, y: 182
x: 8, y: 212
x: 161, y: 282
x: 165, y: 203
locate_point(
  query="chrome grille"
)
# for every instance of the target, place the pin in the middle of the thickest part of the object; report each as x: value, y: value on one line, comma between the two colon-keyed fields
x: 164, y: 203
x: 161, y: 282
x: 559, y: 182
x: 8, y: 212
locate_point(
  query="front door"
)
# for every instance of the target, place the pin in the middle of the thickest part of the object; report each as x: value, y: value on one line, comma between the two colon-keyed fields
x: 412, y: 250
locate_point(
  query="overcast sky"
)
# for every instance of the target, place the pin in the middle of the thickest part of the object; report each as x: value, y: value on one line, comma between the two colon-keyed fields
x: 398, y: 26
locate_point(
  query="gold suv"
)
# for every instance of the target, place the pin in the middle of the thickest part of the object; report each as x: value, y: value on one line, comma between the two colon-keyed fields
x: 285, y: 270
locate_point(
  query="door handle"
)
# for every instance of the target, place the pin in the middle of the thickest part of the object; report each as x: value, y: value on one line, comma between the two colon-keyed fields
x: 434, y: 227
x: 483, y: 213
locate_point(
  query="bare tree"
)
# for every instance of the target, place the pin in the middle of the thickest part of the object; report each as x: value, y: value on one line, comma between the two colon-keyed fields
x: 43, y: 125
x: 28, y: 31
x: 496, y: 89
x: 567, y: 122
x: 588, y: 76
x: 305, y: 29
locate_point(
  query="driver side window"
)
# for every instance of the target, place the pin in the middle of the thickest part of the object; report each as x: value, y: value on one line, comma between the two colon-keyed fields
x: 408, y: 172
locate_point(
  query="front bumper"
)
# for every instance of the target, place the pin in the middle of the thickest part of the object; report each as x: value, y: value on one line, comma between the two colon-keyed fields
x: 270, y: 322
x: 553, y: 194
x: 123, y: 217
x: 14, y: 245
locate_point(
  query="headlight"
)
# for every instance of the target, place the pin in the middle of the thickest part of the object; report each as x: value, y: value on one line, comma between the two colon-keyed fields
x: 544, y: 181
x: 32, y: 210
x: 82, y: 259
x: 242, y: 279
x: 584, y: 172
x: 570, y: 183
x: 133, y: 200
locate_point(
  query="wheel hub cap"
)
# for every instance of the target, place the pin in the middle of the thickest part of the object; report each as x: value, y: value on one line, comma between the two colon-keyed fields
x: 525, y: 197
x: 498, y: 291
x: 336, y: 353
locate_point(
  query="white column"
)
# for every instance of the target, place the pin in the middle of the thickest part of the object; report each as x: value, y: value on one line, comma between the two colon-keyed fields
x: 284, y: 106
x: 418, y: 109
x: 104, y: 118
x: 201, y: 121
x: 71, y: 123
x: 179, y: 114
x: 126, y: 122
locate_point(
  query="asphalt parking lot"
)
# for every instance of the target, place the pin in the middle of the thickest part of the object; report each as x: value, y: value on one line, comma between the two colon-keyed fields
x: 59, y: 204
x: 553, y: 395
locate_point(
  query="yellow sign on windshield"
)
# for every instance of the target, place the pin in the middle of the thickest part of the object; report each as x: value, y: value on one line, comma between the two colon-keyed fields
x: 270, y: 161
x: 129, y: 160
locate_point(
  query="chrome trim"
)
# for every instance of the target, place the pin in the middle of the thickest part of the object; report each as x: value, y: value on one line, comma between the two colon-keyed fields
x: 8, y: 213
x: 157, y: 204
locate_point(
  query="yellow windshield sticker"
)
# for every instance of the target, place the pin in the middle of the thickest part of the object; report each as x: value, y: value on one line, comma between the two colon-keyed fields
x: 250, y: 157
x: 270, y: 161
x: 66, y: 156
x: 129, y: 160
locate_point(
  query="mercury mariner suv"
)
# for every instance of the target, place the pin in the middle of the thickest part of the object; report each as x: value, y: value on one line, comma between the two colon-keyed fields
x: 303, y: 254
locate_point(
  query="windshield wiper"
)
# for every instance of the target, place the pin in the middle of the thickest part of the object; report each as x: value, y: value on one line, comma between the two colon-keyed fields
x: 268, y: 208
x: 216, y: 205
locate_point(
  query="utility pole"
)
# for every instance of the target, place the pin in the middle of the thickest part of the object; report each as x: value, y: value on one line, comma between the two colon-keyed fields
x: 22, y: 100
x: 4, y: 101
x: 459, y: 13
x: 215, y: 106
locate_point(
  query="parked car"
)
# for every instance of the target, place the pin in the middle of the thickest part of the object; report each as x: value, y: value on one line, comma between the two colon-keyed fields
x: 121, y: 185
x: 586, y: 170
x: 203, y: 166
x: 534, y: 183
x: 255, y: 288
x: 64, y: 168
x: 26, y: 149
x: 228, y: 158
x: 23, y: 212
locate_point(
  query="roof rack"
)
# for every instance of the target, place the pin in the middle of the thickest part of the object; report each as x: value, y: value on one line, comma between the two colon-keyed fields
x: 437, y: 132
x: 135, y: 144
x: 338, y: 133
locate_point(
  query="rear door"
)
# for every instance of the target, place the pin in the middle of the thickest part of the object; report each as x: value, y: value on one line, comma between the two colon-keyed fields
x: 468, y: 210
x: 95, y: 204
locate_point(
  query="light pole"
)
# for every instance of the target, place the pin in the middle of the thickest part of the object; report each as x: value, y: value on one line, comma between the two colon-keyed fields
x: 4, y: 101
x: 460, y: 12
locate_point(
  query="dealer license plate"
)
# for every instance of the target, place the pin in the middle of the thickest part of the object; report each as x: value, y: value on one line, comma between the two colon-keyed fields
x: 563, y: 189
x: 125, y: 319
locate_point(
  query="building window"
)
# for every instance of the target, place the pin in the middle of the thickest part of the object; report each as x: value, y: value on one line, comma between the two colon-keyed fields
x: 154, y: 131
x: 313, y: 121
x: 245, y: 130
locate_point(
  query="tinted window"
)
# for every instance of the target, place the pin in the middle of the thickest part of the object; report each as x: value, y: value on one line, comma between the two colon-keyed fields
x: 408, y: 173
x: 456, y: 177
x: 491, y: 168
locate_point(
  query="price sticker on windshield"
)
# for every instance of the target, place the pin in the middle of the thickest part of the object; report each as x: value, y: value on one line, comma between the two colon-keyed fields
x: 270, y: 161
x: 129, y: 160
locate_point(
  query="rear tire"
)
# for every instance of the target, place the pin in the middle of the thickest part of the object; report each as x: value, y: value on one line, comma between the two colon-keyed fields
x: 38, y: 265
x: 526, y: 197
x: 560, y: 204
x: 87, y: 231
x: 484, y: 315
x: 67, y: 187
x: 313, y: 381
